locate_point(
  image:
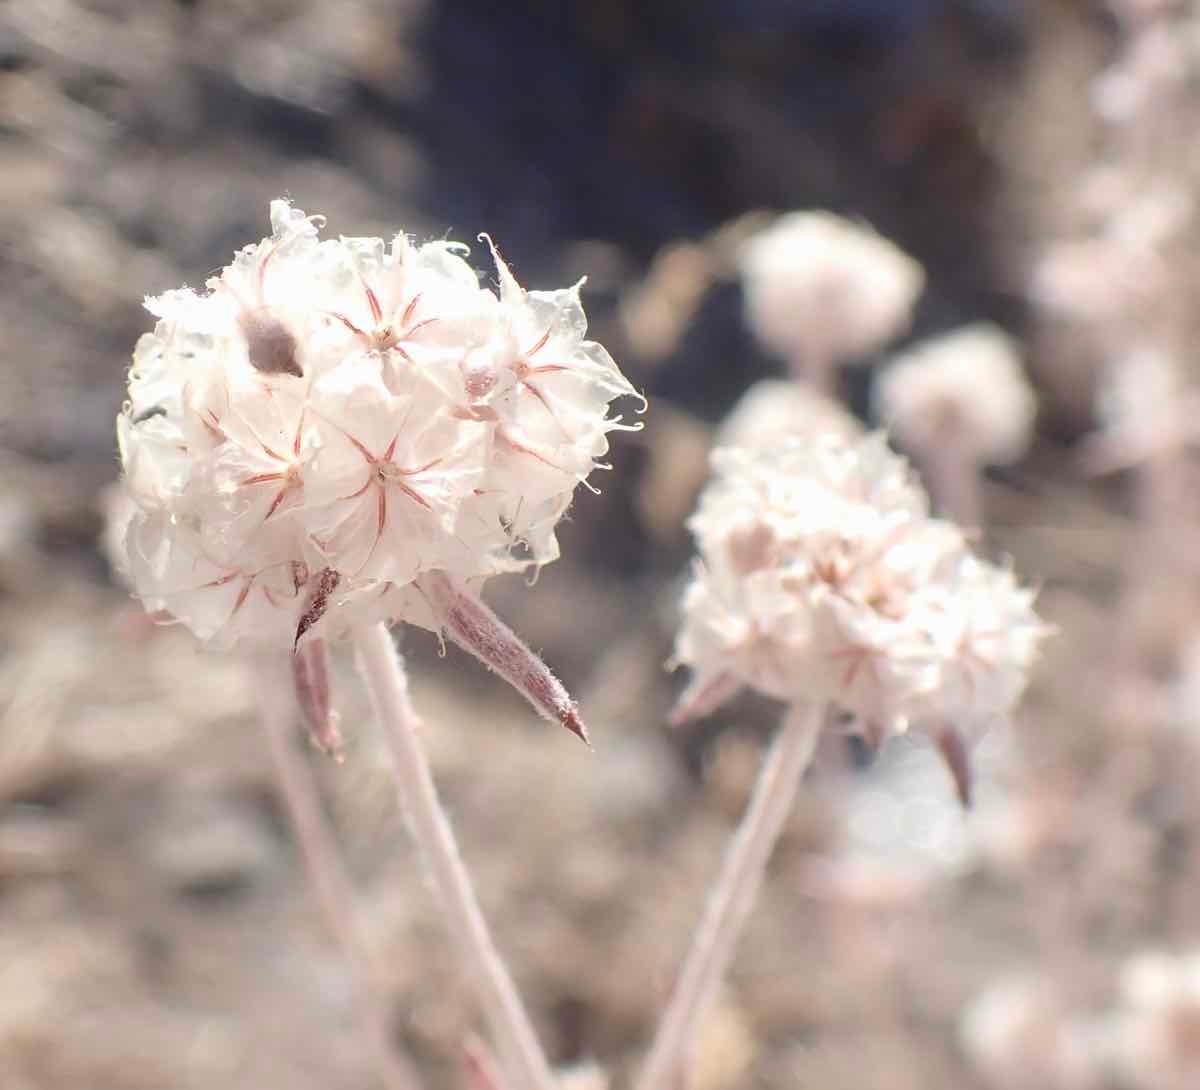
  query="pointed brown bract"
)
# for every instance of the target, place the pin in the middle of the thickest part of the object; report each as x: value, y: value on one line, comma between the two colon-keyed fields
x: 310, y: 670
x: 322, y: 585
x: 953, y: 749
x: 475, y: 628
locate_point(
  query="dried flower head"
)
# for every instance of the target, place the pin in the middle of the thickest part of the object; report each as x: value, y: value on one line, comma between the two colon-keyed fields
x: 334, y: 423
x: 965, y: 390
x: 821, y: 577
x: 822, y: 288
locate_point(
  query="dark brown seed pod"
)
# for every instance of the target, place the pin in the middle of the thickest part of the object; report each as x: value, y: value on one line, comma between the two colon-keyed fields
x: 324, y: 583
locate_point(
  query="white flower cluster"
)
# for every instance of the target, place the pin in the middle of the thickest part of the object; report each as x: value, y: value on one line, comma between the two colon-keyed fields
x: 772, y: 411
x: 966, y: 389
x: 334, y: 419
x: 822, y: 577
x: 820, y: 284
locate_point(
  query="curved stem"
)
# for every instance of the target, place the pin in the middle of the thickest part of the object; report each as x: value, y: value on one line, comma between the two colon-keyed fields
x: 732, y: 898
x: 326, y: 875
x: 511, y: 1027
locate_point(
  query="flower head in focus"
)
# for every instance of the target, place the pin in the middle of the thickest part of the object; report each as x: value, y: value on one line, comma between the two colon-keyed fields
x: 821, y: 577
x: 334, y: 426
x: 965, y: 389
x: 821, y: 290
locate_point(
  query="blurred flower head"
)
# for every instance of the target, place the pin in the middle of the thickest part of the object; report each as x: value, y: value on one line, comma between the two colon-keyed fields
x: 1158, y: 1034
x: 1019, y: 1033
x: 819, y: 285
x: 1143, y: 408
x: 821, y: 577
x: 1115, y: 273
x: 773, y: 411
x: 332, y: 419
x: 966, y: 390
x: 1153, y: 67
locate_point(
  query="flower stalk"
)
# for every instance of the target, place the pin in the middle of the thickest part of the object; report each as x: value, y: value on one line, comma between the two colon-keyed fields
x: 310, y: 672
x: 511, y: 1028
x: 732, y: 898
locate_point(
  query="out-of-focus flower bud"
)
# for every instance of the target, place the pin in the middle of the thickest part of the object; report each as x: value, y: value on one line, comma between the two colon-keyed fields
x: 965, y: 390
x: 821, y: 290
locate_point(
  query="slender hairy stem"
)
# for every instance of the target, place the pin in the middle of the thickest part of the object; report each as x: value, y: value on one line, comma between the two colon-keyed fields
x: 328, y: 878
x: 511, y: 1028
x: 732, y: 898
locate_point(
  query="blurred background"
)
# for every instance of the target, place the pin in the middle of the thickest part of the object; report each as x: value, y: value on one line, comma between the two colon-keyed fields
x: 1037, y: 157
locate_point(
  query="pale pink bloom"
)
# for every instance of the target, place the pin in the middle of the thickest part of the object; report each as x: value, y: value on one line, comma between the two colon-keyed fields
x: 1158, y: 1028
x: 1155, y: 64
x: 1114, y: 273
x: 334, y: 420
x: 391, y: 477
x: 1094, y: 279
x: 821, y: 577
x: 966, y: 390
x: 819, y: 286
x: 1018, y: 1033
x: 773, y: 411
x: 1145, y: 409
x: 222, y: 601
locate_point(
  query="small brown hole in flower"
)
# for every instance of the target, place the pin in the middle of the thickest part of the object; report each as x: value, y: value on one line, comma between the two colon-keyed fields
x: 270, y: 345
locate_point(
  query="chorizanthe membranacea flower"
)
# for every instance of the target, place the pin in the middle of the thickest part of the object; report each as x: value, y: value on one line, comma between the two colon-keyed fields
x: 821, y: 577
x: 337, y: 432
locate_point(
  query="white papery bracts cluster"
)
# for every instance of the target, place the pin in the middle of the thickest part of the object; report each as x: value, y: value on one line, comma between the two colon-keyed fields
x: 338, y: 431
x: 822, y: 577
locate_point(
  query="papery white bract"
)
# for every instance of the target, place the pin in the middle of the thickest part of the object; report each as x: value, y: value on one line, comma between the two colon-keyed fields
x: 333, y: 420
x: 821, y: 577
